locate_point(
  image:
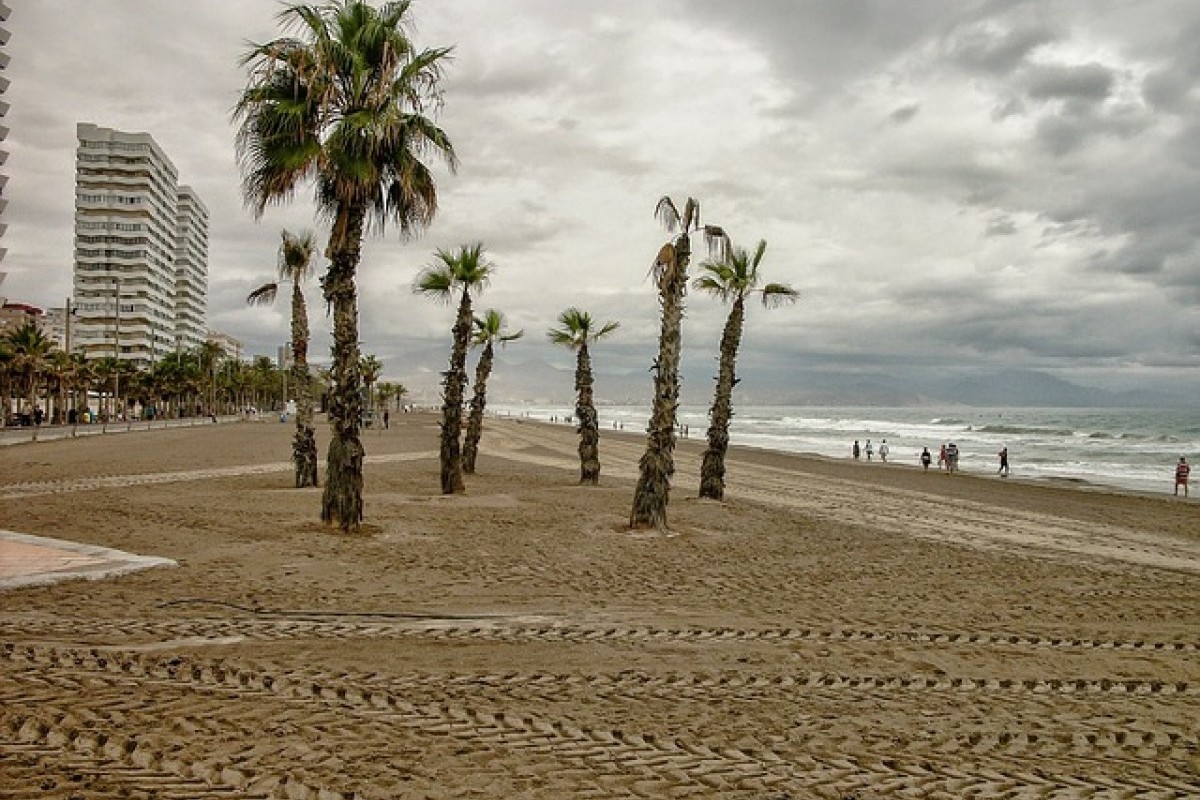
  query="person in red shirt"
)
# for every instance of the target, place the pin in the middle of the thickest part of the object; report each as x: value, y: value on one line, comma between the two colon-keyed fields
x: 1181, y: 476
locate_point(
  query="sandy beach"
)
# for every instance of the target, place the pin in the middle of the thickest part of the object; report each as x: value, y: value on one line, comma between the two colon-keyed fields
x: 834, y: 630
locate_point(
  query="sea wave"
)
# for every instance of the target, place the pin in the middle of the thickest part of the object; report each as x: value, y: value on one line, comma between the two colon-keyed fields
x: 1022, y: 430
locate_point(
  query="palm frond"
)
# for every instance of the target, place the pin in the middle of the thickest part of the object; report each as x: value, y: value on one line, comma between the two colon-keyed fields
x: 667, y: 214
x: 717, y: 241
x: 435, y: 282
x: 263, y: 295
x: 691, y: 214
x: 608, y: 328
x: 775, y: 295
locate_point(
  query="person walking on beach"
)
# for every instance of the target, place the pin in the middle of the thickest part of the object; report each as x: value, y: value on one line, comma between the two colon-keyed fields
x: 1003, y: 471
x: 883, y: 450
x: 855, y: 450
x: 926, y: 458
x: 942, y: 463
x: 387, y: 419
x: 1182, y: 470
x: 870, y: 450
x: 952, y: 458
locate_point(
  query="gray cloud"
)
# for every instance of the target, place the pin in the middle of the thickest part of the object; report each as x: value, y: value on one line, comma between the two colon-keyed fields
x: 1090, y: 82
x: 968, y: 184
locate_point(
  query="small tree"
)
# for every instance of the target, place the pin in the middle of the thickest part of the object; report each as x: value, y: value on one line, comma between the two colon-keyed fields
x: 576, y: 331
x: 489, y: 330
x: 731, y: 280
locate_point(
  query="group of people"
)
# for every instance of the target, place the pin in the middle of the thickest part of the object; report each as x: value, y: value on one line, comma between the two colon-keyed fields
x: 947, y: 457
x: 869, y: 449
x: 948, y: 461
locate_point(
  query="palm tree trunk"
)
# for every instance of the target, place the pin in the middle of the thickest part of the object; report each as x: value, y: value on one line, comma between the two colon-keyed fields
x: 341, y: 503
x: 589, y: 426
x: 657, y: 465
x: 304, y: 444
x: 483, y: 370
x: 33, y: 402
x: 452, y: 397
x: 712, y: 467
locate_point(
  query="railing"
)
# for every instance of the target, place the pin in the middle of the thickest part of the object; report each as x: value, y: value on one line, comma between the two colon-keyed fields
x: 21, y: 434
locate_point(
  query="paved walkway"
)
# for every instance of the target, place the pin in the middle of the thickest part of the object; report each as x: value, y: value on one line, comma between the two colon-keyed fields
x: 36, y: 560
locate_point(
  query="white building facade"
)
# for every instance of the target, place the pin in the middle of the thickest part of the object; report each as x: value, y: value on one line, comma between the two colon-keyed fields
x: 141, y: 251
x: 191, y: 270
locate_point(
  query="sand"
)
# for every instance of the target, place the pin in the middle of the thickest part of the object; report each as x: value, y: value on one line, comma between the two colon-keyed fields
x: 833, y: 630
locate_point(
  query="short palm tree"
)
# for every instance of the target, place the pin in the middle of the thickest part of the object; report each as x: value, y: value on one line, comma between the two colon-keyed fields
x: 577, y: 330
x: 30, y: 350
x: 464, y: 271
x: 731, y: 280
x: 344, y: 103
x: 670, y: 267
x: 489, y: 331
x: 295, y: 267
x: 371, y: 368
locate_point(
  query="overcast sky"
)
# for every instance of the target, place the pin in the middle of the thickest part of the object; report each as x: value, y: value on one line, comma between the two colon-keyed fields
x: 971, y: 184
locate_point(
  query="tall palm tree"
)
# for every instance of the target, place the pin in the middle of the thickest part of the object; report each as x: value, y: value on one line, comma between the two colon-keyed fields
x: 60, y: 370
x: 731, y: 280
x: 670, y: 267
x: 578, y: 329
x: 344, y: 103
x: 463, y: 271
x: 295, y: 266
x: 208, y: 355
x: 489, y: 331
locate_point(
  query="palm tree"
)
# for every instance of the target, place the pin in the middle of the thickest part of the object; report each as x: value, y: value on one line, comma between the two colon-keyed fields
x: 208, y: 355
x: 463, y: 271
x: 384, y: 392
x: 489, y: 330
x: 344, y: 103
x: 371, y: 369
x: 60, y: 370
x: 731, y: 280
x: 577, y: 330
x: 657, y: 464
x: 30, y: 349
x: 6, y: 381
x: 295, y: 266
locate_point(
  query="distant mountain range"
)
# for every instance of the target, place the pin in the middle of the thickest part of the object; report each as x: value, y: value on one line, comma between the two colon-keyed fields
x: 535, y: 381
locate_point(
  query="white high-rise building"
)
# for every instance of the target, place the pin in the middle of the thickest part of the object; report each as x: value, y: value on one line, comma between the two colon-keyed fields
x: 141, y: 250
x: 191, y: 271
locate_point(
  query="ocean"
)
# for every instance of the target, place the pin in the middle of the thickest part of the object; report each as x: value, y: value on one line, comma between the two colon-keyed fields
x: 1134, y: 449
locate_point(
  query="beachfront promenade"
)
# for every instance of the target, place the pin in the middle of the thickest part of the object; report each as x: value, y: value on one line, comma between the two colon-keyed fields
x: 26, y: 434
